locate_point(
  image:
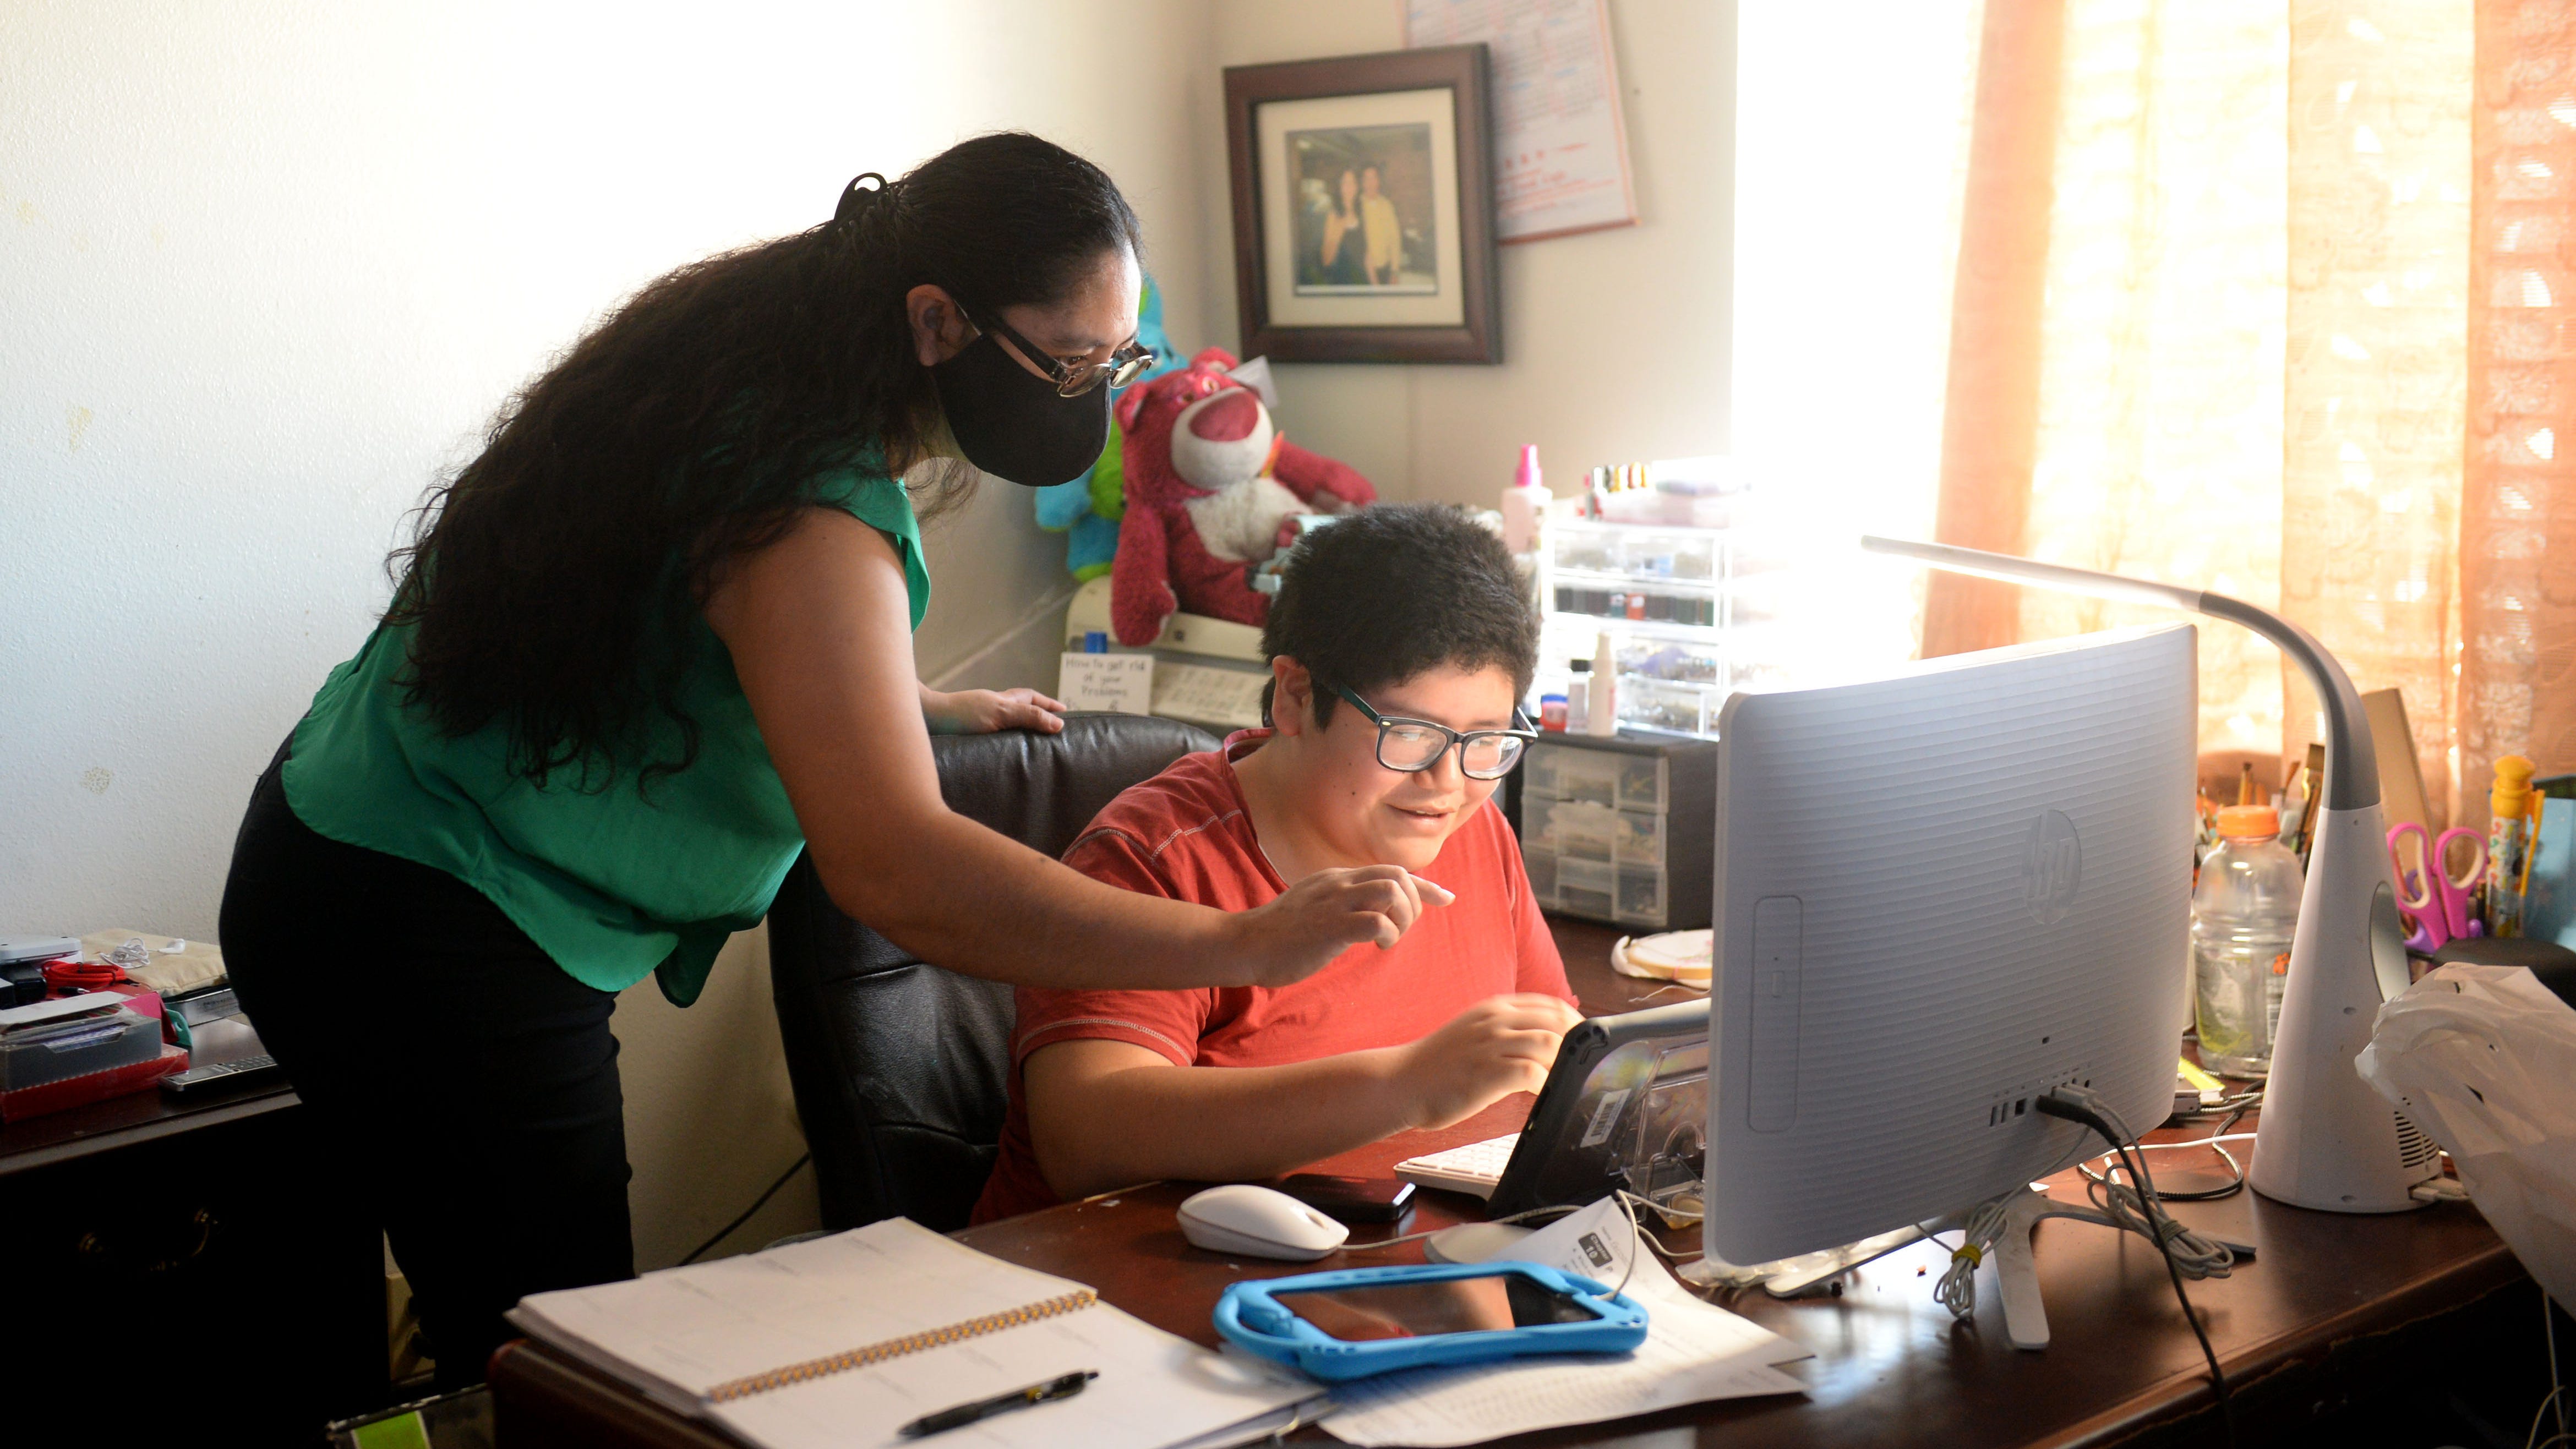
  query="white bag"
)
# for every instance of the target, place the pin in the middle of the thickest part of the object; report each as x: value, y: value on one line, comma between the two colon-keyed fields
x: 2482, y: 1058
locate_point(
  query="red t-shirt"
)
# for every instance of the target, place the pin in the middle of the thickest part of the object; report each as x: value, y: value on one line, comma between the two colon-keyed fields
x: 1185, y: 834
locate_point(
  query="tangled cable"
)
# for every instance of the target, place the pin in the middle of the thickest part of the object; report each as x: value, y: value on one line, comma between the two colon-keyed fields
x: 2135, y: 1205
x: 2143, y: 1210
x: 74, y: 974
x: 1957, y: 1290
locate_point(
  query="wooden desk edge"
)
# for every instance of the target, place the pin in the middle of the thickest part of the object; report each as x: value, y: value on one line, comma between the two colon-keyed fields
x: 538, y: 1392
x: 274, y: 1097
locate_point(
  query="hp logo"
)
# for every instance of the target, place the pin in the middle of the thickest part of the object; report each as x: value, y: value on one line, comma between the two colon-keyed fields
x: 2052, y: 863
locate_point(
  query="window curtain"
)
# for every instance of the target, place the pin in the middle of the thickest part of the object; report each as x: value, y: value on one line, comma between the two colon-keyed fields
x: 2517, y: 551
x: 2265, y: 298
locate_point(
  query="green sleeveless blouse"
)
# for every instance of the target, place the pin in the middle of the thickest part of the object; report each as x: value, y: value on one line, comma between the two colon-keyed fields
x: 611, y: 883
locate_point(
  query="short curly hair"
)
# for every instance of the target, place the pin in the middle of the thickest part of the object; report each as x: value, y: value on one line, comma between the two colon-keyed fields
x: 1380, y: 596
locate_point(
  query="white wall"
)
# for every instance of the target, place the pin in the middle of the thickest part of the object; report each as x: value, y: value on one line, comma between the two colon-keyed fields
x: 1615, y: 344
x: 266, y: 268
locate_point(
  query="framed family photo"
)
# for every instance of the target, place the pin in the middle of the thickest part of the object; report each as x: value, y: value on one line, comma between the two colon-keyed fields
x: 1363, y: 208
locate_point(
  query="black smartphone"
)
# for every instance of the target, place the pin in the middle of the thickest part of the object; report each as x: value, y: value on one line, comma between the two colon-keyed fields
x: 1352, y: 1199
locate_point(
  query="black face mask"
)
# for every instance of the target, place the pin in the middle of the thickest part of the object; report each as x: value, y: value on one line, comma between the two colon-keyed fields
x: 1013, y: 424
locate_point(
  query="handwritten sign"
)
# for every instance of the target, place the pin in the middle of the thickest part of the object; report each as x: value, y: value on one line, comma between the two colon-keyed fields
x: 1123, y: 683
x: 1208, y: 695
x: 1560, y: 143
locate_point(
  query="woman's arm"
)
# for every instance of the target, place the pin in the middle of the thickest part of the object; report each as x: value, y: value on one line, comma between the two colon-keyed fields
x: 818, y: 626
x: 1104, y: 1114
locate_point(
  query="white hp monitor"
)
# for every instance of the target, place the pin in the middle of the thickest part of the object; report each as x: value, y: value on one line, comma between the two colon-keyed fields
x: 1939, y: 896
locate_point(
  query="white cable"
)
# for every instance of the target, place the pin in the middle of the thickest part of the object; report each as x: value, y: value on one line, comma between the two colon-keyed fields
x: 1957, y: 1290
x: 2532, y: 1438
x: 1435, y: 1232
x: 2184, y: 1142
x: 2549, y: 1337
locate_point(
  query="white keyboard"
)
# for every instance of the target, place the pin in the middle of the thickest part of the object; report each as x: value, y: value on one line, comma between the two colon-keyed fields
x: 1475, y: 1168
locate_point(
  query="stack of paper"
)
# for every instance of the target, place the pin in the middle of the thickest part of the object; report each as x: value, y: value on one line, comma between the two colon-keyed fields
x: 843, y: 1340
x: 1694, y: 1352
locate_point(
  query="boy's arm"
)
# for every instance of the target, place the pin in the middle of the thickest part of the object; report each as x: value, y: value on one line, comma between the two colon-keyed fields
x: 1104, y: 1113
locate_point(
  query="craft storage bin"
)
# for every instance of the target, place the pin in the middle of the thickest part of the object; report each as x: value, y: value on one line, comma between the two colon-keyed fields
x: 1620, y: 829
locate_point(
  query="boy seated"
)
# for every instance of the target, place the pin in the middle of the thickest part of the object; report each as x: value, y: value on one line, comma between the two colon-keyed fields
x: 1398, y: 644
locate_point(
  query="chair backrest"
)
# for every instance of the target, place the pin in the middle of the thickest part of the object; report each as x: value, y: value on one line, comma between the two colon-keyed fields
x: 899, y: 1065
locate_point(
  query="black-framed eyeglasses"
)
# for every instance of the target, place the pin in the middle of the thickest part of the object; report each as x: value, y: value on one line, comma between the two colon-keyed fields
x: 1071, y: 379
x: 1411, y: 745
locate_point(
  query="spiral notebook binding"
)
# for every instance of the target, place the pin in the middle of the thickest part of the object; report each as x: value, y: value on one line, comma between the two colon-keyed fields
x: 815, y: 1368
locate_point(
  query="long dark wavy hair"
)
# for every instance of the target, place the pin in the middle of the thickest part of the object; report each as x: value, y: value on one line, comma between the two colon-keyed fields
x: 551, y: 583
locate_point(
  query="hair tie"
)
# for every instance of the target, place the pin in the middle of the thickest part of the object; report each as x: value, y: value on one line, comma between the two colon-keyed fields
x: 857, y: 201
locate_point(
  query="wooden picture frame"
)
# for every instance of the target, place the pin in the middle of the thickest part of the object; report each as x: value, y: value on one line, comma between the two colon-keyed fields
x: 1364, y: 208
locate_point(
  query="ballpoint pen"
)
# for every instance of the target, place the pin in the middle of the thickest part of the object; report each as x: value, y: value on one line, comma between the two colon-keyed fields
x: 1063, y: 1387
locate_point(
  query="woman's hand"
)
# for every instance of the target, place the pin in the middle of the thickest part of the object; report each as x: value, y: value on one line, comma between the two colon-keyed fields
x: 1500, y: 1045
x: 1302, y: 930
x: 982, y: 711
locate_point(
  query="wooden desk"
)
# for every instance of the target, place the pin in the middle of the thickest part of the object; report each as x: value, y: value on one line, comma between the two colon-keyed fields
x: 200, y: 1230
x: 2336, y: 1323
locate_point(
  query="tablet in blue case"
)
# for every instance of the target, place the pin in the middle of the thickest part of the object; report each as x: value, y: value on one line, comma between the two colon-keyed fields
x: 1356, y: 1322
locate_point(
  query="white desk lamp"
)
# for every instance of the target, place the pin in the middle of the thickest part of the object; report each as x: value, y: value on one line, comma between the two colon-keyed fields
x: 2325, y: 1140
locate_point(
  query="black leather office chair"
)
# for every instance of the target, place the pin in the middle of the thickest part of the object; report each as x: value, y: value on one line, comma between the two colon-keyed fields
x: 899, y: 1065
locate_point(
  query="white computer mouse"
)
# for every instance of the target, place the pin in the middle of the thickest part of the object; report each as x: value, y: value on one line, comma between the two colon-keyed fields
x: 1258, y: 1222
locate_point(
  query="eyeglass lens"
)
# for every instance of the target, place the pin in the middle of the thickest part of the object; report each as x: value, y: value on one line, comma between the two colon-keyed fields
x: 1117, y: 372
x: 1073, y: 379
x: 1412, y: 747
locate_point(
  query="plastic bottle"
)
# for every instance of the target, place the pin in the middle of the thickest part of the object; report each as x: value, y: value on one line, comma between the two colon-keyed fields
x: 1578, y: 697
x: 1524, y: 503
x: 2508, y: 846
x: 2243, y: 913
x: 1601, y: 709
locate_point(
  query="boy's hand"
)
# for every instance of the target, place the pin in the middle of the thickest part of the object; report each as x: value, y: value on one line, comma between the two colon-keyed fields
x: 1327, y: 913
x: 1500, y: 1045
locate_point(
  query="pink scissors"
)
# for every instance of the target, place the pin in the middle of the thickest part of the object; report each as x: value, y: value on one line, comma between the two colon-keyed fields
x: 2437, y: 900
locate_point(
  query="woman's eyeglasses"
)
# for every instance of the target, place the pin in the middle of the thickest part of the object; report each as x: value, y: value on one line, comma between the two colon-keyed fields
x: 1073, y: 379
x: 1410, y: 745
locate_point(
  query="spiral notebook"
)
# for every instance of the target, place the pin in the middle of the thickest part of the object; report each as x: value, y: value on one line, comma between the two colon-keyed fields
x: 842, y: 1340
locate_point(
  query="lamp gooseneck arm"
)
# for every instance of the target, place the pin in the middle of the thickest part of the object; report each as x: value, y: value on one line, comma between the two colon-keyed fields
x: 2352, y: 758
x: 2352, y: 762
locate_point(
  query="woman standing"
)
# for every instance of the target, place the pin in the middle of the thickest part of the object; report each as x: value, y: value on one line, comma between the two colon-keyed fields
x: 647, y: 646
x: 1343, y: 241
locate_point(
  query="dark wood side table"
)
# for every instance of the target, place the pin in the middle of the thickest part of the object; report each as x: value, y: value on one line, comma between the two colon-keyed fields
x: 2336, y: 1322
x: 180, y: 1270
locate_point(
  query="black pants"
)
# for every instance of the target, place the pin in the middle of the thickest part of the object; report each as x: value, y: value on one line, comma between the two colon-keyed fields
x: 466, y: 1085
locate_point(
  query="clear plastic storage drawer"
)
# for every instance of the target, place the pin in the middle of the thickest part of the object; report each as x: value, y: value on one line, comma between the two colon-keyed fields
x: 1571, y: 829
x: 1641, y: 896
x: 1585, y: 888
x: 1570, y: 773
x: 36, y: 1055
x: 1637, y: 838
